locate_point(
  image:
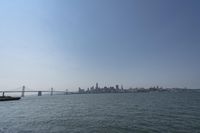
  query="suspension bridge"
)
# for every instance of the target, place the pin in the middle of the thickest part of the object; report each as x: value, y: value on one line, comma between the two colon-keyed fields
x: 24, y: 90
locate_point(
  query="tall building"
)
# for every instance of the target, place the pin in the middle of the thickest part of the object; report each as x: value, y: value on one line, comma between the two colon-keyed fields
x: 122, y: 87
x: 117, y: 87
x: 97, y: 86
x: 81, y: 90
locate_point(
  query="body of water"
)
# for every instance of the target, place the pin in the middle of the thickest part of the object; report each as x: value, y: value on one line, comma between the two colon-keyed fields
x: 154, y: 112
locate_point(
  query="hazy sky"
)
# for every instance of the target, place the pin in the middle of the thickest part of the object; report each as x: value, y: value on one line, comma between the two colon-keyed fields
x: 70, y: 43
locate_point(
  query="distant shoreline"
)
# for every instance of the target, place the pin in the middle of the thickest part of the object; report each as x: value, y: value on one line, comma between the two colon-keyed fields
x: 135, y: 90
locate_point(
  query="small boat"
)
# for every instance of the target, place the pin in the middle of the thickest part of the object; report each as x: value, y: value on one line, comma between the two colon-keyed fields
x: 9, y: 98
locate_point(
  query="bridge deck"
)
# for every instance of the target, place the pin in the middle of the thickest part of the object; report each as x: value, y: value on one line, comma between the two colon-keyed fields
x: 27, y: 91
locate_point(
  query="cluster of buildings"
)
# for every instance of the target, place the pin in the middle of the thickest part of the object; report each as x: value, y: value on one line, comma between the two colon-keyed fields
x: 117, y: 89
x: 97, y: 89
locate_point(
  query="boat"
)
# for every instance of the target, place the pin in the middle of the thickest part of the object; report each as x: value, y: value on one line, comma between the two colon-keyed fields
x: 9, y: 98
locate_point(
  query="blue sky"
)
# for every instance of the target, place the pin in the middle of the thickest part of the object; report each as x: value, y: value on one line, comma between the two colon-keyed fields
x: 70, y: 43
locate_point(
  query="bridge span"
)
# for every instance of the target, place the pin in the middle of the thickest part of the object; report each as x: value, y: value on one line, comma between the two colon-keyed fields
x: 23, y: 91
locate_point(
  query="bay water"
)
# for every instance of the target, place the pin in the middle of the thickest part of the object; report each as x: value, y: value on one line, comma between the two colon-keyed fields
x: 154, y: 112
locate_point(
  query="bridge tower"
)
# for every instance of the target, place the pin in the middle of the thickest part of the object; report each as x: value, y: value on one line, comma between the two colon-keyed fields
x: 23, y: 91
x: 51, y: 91
x: 39, y: 93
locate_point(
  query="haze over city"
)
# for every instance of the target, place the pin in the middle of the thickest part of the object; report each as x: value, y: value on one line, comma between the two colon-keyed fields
x: 68, y: 44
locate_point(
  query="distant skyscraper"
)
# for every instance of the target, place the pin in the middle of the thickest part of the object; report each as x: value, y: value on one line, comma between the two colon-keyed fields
x: 117, y: 87
x: 122, y: 87
x: 97, y: 86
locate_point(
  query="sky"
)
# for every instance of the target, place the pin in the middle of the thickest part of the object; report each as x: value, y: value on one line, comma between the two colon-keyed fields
x: 68, y: 44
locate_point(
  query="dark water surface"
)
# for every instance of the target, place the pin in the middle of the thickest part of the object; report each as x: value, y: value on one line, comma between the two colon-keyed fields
x: 168, y: 112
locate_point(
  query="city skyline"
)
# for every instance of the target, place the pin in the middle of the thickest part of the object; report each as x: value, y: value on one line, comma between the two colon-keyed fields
x: 119, y: 87
x: 71, y: 44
